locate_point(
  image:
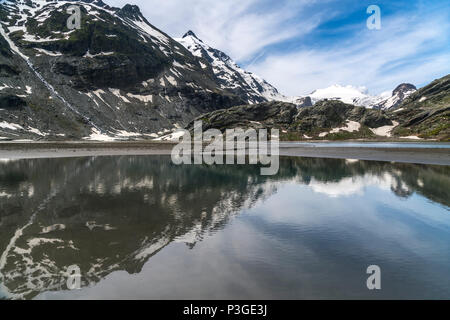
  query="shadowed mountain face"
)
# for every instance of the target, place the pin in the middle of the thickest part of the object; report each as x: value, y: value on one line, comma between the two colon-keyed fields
x: 118, y: 75
x: 107, y: 214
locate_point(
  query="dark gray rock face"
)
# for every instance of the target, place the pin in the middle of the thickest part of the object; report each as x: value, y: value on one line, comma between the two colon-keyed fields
x: 12, y: 102
x: 263, y: 115
x: 4, y: 48
x: 403, y: 88
x: 8, y: 71
x: 118, y: 75
x: 303, y: 102
x: 332, y: 114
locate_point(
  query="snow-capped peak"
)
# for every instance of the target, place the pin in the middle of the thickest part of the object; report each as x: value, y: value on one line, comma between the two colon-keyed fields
x: 40, y: 10
x: 229, y: 75
x: 347, y: 94
x: 399, y: 94
x: 190, y: 33
x: 360, y: 96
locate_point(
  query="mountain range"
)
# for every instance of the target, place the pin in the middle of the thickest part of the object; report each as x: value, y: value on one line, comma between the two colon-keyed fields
x: 120, y: 77
x: 424, y: 114
x: 360, y: 96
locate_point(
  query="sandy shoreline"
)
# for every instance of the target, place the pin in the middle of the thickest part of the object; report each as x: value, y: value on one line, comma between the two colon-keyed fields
x: 32, y: 150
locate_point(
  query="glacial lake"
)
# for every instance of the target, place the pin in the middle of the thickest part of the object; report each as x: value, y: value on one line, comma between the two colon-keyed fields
x: 139, y: 227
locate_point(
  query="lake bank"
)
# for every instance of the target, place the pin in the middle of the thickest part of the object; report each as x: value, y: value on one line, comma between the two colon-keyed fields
x: 429, y: 153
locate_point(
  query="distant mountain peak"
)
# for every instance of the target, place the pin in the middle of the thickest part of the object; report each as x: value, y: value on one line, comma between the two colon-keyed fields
x: 190, y: 33
x: 404, y: 87
x: 228, y: 74
x: 99, y: 3
x: 347, y: 94
x: 132, y: 12
x: 131, y: 8
x: 360, y: 96
x: 400, y: 93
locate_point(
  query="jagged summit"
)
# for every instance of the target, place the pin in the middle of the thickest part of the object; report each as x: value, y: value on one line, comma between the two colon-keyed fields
x: 132, y: 11
x: 400, y: 93
x: 190, y: 33
x: 404, y: 87
x: 99, y: 3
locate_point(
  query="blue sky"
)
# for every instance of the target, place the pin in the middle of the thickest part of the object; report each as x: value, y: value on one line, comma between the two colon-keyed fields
x: 302, y: 45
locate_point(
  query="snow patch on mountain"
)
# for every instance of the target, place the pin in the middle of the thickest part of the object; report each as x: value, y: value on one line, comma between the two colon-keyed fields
x: 49, y: 53
x: 384, y: 131
x: 10, y: 126
x: 350, y: 126
x: 89, y: 55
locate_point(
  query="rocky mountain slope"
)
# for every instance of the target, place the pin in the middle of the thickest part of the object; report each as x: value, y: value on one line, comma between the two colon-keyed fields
x: 229, y: 75
x: 426, y: 113
x: 327, y: 119
x: 118, y: 76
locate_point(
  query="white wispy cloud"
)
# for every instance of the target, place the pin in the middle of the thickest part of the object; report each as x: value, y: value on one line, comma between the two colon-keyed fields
x: 406, y: 49
x: 241, y: 28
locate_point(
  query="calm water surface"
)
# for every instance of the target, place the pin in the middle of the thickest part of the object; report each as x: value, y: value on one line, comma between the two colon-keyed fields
x: 139, y: 227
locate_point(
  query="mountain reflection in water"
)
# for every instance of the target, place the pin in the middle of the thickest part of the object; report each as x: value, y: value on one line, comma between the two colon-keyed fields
x: 108, y: 214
